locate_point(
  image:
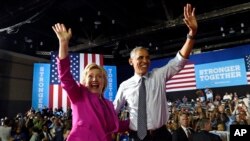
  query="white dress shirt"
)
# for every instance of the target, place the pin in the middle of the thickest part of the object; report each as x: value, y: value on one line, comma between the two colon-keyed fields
x: 155, y: 82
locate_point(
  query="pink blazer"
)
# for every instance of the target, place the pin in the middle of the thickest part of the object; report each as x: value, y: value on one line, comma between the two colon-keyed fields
x: 93, y: 119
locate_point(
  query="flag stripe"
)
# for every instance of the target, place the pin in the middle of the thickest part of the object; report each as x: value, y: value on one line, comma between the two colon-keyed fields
x: 93, y: 58
x: 82, y: 63
x: 64, y: 100
x: 87, y: 59
x: 189, y: 84
x: 51, y: 94
x: 187, y: 79
x: 101, y: 60
x: 180, y: 83
x: 59, y: 96
x: 181, y: 89
x: 55, y: 96
x: 183, y: 75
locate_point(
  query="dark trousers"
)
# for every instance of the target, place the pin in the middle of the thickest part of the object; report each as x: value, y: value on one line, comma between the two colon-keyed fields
x: 160, y: 134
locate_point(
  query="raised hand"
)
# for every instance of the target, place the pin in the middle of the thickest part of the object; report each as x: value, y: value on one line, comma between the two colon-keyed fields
x: 190, y: 19
x: 63, y: 36
x: 61, y: 32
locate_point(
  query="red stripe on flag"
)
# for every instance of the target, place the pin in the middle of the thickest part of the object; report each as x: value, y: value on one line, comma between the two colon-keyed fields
x: 85, y: 60
x: 93, y: 57
x: 51, y: 96
x: 190, y: 84
x: 186, y: 81
x: 101, y: 60
x: 59, y: 97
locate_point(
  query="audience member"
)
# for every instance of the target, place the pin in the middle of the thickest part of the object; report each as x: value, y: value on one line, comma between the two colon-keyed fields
x: 5, y: 131
x: 184, y: 132
x: 204, y: 134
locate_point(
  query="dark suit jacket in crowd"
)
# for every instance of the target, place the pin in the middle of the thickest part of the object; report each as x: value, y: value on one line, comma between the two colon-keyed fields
x: 42, y: 135
x: 205, y: 136
x: 180, y: 135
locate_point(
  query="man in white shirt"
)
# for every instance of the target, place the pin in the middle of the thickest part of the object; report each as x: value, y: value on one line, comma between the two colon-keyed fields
x: 156, y: 103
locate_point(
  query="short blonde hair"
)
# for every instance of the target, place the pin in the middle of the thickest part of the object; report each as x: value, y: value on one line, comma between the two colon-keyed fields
x: 95, y: 66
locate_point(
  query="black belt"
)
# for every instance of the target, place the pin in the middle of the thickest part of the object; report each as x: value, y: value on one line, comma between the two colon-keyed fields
x: 149, y: 132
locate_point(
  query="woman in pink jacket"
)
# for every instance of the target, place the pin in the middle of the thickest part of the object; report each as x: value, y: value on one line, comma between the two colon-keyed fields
x: 94, y: 118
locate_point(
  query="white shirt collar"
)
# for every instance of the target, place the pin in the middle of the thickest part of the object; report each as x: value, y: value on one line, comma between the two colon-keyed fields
x: 137, y: 77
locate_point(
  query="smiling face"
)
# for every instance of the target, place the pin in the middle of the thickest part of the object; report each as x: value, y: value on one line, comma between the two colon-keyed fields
x: 140, y: 60
x: 95, y: 79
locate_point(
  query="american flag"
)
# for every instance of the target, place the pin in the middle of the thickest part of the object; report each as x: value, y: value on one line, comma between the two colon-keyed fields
x: 58, y: 97
x: 184, y: 80
x: 247, y: 61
